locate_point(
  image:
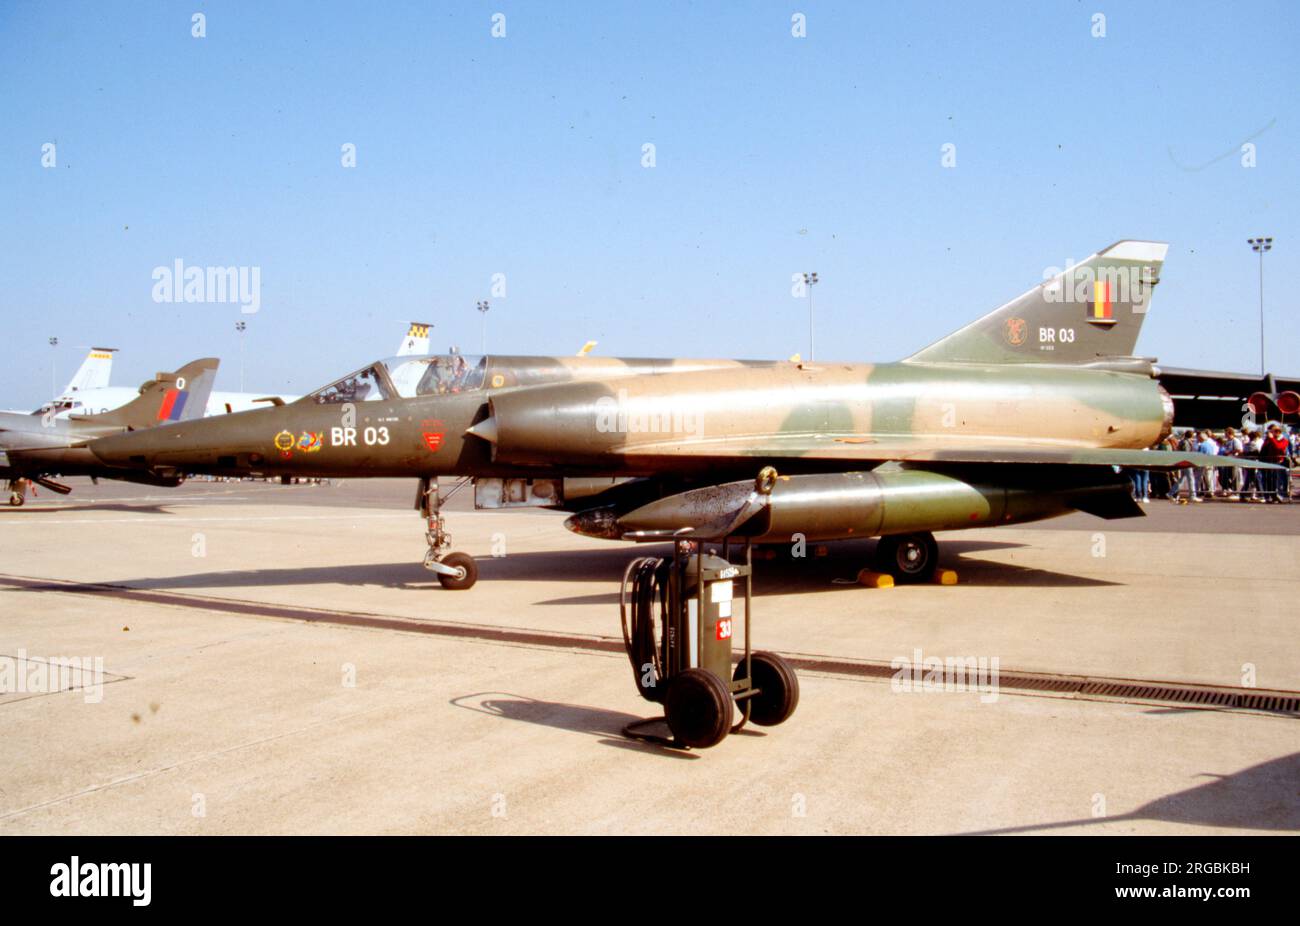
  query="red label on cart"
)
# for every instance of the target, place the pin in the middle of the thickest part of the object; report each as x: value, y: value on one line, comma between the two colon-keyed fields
x: 724, y: 629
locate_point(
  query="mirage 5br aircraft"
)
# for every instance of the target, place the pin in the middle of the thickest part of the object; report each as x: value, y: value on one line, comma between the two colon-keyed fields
x: 36, y: 446
x: 1030, y: 412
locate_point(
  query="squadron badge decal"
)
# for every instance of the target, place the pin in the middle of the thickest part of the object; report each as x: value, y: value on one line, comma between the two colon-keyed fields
x: 309, y: 441
x: 1015, y: 331
x: 284, y: 442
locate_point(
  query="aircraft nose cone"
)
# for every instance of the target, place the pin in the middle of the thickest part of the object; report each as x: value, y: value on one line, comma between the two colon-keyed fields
x: 601, y: 523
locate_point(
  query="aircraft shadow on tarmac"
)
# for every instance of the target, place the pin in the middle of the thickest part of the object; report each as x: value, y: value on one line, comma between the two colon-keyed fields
x: 29, y: 510
x: 779, y: 576
x: 1262, y: 797
x: 606, y: 725
x: 783, y: 574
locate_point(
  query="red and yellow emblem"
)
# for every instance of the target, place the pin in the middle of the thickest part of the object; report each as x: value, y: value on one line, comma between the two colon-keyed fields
x: 1015, y: 330
x: 284, y: 443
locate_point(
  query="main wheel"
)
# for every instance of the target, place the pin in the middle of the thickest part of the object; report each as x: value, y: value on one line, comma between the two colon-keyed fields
x: 468, y: 571
x: 697, y: 706
x: 909, y: 558
x: 778, y: 688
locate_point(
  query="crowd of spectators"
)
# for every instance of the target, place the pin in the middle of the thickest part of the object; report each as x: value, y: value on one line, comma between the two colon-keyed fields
x: 1272, y: 444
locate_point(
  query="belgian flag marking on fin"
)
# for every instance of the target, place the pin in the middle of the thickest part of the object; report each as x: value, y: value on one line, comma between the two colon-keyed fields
x: 1101, y: 310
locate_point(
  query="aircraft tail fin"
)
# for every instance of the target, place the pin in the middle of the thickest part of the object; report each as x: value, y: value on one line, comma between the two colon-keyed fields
x: 416, y: 340
x: 93, y: 372
x: 179, y: 396
x: 1088, y: 312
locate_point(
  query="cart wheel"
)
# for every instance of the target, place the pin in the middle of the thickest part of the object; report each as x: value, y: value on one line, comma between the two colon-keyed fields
x: 459, y: 561
x: 909, y: 558
x: 697, y: 707
x: 778, y: 689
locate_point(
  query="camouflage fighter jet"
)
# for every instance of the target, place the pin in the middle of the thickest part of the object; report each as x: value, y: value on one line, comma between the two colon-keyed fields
x: 1030, y: 412
x: 36, y: 446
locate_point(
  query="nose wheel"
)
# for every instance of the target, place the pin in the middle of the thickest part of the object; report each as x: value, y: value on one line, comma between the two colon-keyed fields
x: 455, y: 571
x: 17, y: 492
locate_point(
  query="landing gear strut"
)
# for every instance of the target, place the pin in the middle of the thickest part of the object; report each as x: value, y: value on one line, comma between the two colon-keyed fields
x: 909, y: 558
x: 17, y: 492
x: 455, y: 571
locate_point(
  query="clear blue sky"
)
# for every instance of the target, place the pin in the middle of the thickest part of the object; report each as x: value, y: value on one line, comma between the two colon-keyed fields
x: 522, y: 155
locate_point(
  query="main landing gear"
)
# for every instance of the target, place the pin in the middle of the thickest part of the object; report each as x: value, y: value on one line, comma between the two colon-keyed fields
x: 455, y: 571
x: 17, y: 492
x: 909, y: 558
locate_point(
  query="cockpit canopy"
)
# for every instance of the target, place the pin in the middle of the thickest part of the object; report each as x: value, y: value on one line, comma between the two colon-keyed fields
x: 405, y: 377
x: 58, y: 406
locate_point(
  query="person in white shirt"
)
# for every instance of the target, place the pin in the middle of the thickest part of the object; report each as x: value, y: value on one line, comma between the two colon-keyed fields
x: 1254, y: 485
x: 1205, y: 443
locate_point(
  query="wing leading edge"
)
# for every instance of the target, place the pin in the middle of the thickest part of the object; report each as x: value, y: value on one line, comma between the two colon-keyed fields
x: 873, y: 450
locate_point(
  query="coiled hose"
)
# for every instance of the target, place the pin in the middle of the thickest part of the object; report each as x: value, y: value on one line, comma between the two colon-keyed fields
x: 643, y: 582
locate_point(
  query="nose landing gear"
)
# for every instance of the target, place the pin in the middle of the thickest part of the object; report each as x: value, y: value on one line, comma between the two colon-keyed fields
x: 456, y: 571
x: 17, y: 492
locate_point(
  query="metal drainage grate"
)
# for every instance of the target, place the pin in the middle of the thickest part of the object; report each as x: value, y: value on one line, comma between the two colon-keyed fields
x: 1207, y: 697
x: 1202, y: 697
x: 1233, y: 698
